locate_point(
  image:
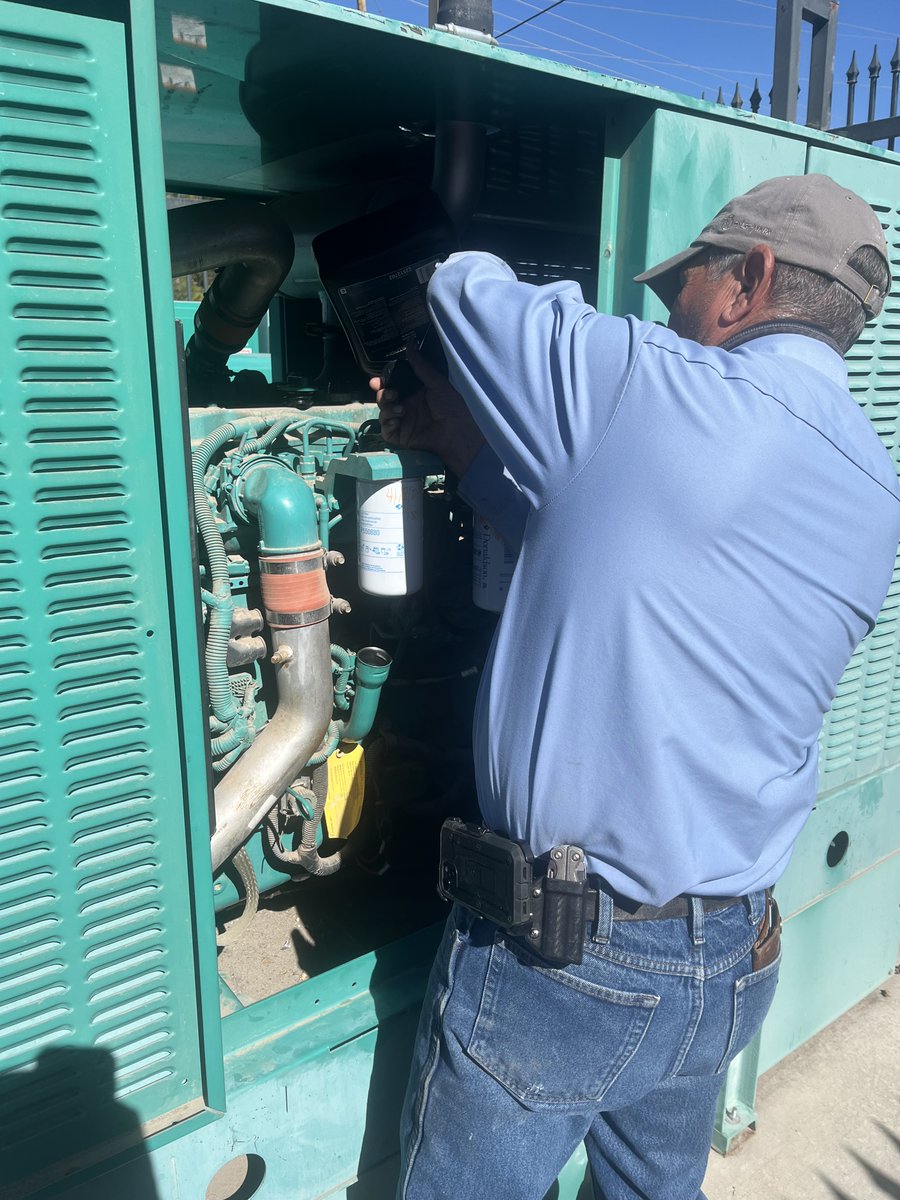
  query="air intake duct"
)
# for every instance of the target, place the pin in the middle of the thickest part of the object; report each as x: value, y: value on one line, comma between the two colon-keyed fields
x: 252, y: 248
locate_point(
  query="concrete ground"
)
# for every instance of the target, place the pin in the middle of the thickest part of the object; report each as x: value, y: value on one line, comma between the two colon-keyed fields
x: 829, y: 1116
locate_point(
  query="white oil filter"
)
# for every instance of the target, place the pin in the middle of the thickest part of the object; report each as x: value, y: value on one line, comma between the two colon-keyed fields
x: 389, y: 524
x: 493, y: 564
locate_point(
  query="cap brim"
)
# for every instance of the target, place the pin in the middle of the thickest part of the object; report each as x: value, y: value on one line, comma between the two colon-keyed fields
x: 664, y: 278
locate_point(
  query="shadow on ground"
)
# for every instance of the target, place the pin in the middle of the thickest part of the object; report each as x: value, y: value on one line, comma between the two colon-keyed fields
x: 884, y: 1185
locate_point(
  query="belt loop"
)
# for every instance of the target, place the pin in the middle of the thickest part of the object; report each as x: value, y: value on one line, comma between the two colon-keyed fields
x: 603, y: 919
x: 696, y: 920
x: 756, y: 907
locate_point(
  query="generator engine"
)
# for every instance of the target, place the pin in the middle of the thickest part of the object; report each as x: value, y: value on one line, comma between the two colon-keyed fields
x: 343, y: 636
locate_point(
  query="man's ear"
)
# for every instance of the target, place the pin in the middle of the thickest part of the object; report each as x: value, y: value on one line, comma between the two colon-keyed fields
x: 756, y: 274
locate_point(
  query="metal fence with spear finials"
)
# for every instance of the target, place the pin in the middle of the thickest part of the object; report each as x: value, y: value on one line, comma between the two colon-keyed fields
x: 821, y: 15
x: 872, y: 130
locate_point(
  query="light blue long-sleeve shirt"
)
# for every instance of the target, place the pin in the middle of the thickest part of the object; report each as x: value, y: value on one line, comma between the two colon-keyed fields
x: 707, y: 537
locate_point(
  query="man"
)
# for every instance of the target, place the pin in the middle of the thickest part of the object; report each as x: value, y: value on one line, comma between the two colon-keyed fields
x: 707, y: 526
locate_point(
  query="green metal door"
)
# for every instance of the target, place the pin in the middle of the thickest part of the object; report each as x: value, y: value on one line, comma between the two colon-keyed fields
x: 100, y: 1036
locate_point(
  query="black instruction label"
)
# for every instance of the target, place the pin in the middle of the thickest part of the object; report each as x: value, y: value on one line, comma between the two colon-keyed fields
x: 389, y: 311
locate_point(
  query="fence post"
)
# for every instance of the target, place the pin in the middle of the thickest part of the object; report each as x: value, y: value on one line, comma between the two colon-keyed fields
x: 755, y: 97
x: 852, y: 76
x: 737, y: 100
x: 874, y: 72
x: 895, y: 85
x: 821, y: 63
x: 790, y: 15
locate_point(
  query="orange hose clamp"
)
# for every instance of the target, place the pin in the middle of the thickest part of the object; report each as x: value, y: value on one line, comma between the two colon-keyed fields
x: 294, y: 588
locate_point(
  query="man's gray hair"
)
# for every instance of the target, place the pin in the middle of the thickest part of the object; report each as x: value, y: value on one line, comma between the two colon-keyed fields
x: 808, y: 296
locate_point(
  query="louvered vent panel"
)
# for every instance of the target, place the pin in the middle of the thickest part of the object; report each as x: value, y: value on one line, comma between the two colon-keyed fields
x: 862, y: 731
x: 94, y: 945
x: 532, y: 175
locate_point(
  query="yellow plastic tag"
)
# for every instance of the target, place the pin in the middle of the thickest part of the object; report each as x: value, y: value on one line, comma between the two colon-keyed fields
x: 346, y: 787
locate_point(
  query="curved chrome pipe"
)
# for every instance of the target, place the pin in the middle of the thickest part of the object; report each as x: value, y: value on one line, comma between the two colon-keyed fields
x: 282, y: 749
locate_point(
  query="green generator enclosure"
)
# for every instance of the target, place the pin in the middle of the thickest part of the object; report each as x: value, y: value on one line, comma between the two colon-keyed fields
x: 225, y: 756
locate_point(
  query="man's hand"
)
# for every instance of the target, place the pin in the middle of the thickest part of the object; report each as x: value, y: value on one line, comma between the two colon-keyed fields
x: 433, y: 418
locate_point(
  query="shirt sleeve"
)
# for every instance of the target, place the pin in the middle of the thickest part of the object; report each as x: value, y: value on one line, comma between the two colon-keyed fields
x: 492, y: 493
x: 540, y: 370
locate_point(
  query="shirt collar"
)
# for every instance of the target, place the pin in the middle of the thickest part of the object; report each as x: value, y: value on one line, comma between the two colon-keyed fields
x: 803, y: 349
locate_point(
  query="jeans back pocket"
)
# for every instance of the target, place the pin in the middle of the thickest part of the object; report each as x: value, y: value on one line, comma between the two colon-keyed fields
x: 551, y: 1036
x: 753, y: 995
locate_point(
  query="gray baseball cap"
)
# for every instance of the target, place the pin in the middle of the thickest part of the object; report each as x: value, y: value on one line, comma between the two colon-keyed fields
x: 808, y: 220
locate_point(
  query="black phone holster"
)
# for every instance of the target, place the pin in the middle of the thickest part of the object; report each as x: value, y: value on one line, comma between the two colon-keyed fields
x: 540, y: 902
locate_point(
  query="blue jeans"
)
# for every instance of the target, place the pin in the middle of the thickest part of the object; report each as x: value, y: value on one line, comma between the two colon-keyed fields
x: 516, y: 1063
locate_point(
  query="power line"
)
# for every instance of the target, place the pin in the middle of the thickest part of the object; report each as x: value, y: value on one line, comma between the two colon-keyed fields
x: 675, y: 62
x: 591, y: 60
x: 643, y: 12
x: 652, y: 69
x: 556, y: 4
x: 578, y: 60
x: 664, y: 58
x: 867, y: 29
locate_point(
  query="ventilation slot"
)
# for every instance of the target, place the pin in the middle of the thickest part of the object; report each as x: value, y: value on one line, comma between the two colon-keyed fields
x: 49, y: 180
x: 11, y: 144
x: 81, y: 658
x: 53, y: 47
x: 72, y: 406
x: 82, y: 521
x: 73, y: 711
x: 56, y: 247
x: 52, y: 80
x: 60, y: 312
x: 88, y: 493
x: 92, y: 603
x: 41, y: 112
x: 59, y: 279
x: 70, y: 466
x: 83, y: 433
x: 113, y: 779
x: 78, y: 549
x: 98, y: 683
x: 130, y: 962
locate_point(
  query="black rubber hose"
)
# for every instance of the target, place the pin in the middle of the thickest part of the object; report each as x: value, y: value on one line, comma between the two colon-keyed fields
x: 460, y: 150
x: 253, y: 248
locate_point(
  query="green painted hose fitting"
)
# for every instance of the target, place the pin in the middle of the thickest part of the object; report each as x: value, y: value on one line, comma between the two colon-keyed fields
x: 343, y: 660
x: 373, y: 666
x: 282, y: 504
x: 333, y: 738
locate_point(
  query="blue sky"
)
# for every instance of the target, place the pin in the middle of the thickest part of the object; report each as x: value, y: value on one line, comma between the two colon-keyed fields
x: 689, y: 46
